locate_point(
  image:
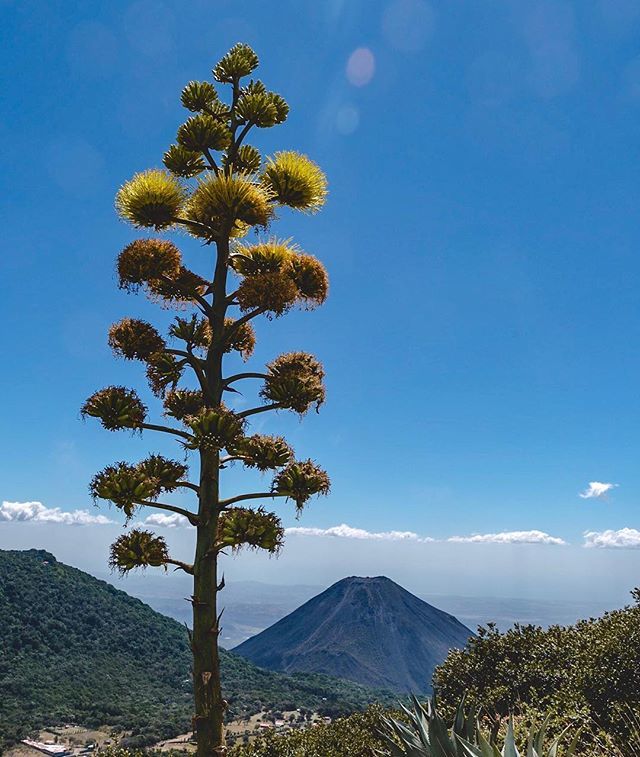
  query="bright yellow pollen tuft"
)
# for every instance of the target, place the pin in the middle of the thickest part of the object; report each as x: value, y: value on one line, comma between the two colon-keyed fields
x: 151, y: 199
x: 227, y: 204
x: 295, y: 180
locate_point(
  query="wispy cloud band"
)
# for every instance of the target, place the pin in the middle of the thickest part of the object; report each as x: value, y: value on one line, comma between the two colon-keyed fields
x: 506, y: 537
x: 343, y: 531
x: 36, y: 512
x: 510, y: 537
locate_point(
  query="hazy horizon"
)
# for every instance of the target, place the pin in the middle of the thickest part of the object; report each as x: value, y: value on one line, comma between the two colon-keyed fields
x: 525, y: 571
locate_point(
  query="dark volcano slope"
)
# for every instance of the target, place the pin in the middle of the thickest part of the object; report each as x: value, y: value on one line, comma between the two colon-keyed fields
x: 368, y: 630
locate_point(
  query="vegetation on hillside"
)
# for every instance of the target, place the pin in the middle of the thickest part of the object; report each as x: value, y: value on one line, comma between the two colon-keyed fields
x: 76, y: 649
x: 582, y: 682
x: 587, y: 674
x: 356, y: 736
x: 113, y: 660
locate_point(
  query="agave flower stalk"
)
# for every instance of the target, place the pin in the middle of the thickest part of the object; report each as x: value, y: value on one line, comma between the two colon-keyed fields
x: 216, y: 188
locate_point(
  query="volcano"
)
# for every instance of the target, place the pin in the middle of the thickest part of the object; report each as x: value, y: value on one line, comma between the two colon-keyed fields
x: 367, y: 630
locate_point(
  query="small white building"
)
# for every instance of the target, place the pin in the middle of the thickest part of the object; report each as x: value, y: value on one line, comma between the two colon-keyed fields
x: 54, y: 750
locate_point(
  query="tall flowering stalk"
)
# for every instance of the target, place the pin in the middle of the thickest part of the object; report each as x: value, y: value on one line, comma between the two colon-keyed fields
x: 216, y: 187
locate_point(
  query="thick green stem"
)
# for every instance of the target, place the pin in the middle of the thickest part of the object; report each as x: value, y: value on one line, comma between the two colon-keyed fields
x: 210, y: 706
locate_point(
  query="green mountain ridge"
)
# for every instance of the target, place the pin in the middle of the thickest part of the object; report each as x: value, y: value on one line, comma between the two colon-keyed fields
x: 74, y: 648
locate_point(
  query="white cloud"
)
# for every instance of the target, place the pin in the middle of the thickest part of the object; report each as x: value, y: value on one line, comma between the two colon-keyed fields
x: 344, y: 531
x: 624, y: 538
x: 509, y: 537
x: 12, y: 512
x: 597, y: 489
x: 166, y: 521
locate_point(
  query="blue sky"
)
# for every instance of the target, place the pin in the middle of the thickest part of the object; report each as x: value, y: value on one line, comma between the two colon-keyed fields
x: 481, y: 337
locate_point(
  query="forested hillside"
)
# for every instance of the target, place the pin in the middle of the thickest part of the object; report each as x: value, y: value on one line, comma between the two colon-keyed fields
x: 76, y: 649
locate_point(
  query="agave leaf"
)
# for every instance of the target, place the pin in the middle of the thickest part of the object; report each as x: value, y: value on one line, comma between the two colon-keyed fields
x: 464, y: 725
x: 489, y: 749
x: 420, y: 751
x: 460, y: 720
x: 421, y: 735
x: 410, y: 748
x: 553, y: 749
x: 471, y: 750
x: 540, y: 736
x: 427, y: 735
x: 483, y: 748
x: 420, y: 720
x: 406, y: 710
x: 439, y: 739
x: 471, y: 725
x: 531, y: 751
x: 426, y: 714
x: 439, y: 734
x: 393, y: 750
x: 574, y: 744
x: 407, y: 736
x: 386, y: 733
x: 396, y: 751
x: 509, y: 749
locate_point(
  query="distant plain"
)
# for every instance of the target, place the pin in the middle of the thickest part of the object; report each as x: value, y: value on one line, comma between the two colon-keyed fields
x: 252, y: 606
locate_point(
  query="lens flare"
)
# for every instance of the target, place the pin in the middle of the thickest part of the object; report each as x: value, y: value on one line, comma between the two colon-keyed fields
x: 361, y: 67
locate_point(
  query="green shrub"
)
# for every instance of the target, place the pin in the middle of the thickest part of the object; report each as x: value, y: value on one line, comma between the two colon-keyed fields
x: 355, y: 736
x: 586, y: 675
